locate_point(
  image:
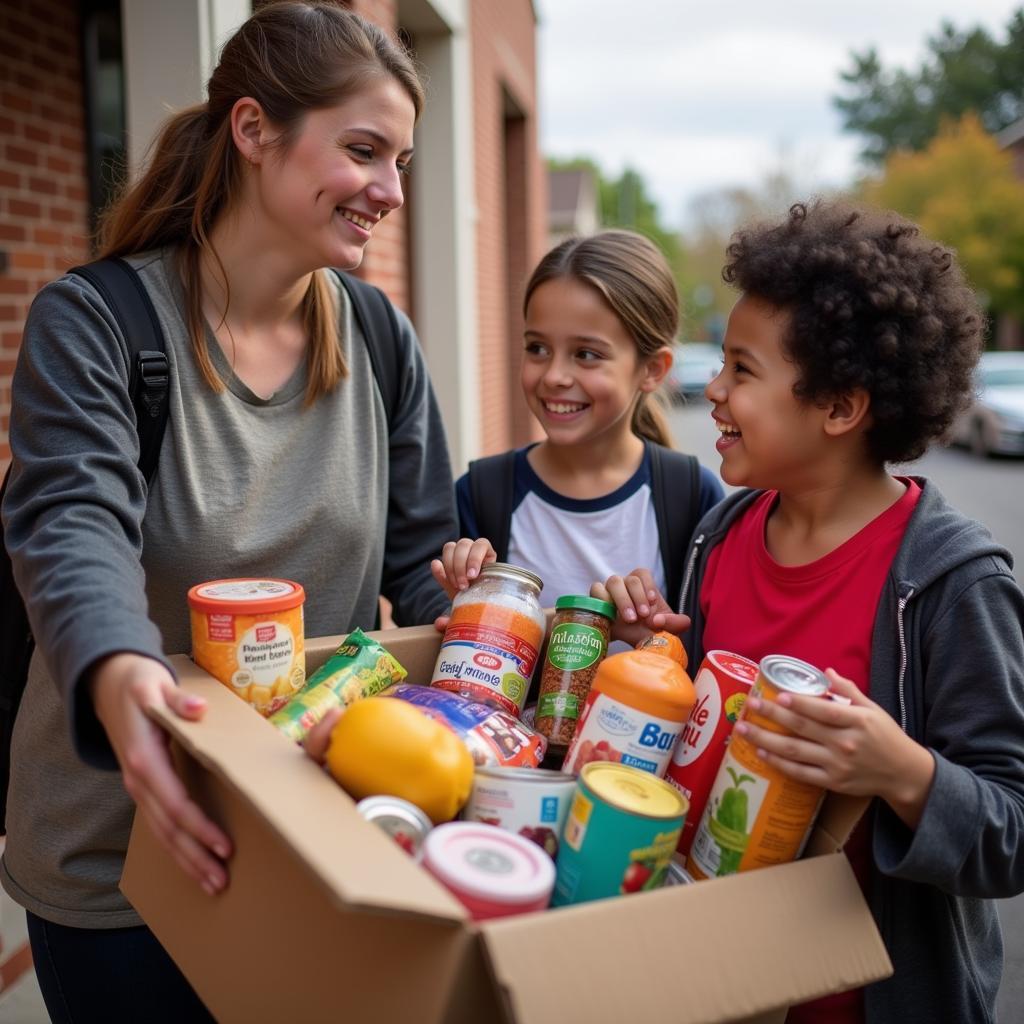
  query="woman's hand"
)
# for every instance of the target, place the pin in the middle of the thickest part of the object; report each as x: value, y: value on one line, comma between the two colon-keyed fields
x: 122, y: 687
x: 460, y: 563
x: 641, y: 608
x: 848, y: 746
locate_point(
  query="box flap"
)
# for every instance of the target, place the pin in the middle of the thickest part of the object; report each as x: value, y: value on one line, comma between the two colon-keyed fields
x: 722, y: 950
x: 357, y: 863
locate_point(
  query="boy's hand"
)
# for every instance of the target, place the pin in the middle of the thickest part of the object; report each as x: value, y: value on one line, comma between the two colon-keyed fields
x: 460, y: 563
x: 642, y: 610
x: 853, y: 748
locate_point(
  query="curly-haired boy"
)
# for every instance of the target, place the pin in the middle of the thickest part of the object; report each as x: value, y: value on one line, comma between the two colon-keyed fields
x: 852, y: 346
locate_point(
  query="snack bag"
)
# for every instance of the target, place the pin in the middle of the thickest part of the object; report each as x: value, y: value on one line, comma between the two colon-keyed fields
x: 360, y: 667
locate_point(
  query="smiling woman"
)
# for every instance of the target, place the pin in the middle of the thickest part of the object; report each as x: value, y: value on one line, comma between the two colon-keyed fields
x: 286, y: 171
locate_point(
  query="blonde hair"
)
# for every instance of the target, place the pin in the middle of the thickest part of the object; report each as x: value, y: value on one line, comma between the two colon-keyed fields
x: 292, y: 56
x: 632, y: 276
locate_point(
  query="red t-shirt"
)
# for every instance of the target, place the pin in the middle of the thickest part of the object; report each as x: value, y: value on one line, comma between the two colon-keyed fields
x: 822, y: 612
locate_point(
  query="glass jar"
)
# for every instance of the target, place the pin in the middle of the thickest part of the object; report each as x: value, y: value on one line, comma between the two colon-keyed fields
x: 578, y: 642
x: 494, y: 636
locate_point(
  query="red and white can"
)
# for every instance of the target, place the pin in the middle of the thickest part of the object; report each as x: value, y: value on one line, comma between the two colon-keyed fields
x: 722, y: 684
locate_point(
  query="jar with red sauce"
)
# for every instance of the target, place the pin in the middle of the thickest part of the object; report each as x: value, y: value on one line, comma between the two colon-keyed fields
x: 494, y: 637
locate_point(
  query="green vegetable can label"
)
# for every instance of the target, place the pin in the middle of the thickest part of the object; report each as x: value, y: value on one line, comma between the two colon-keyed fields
x: 619, y: 837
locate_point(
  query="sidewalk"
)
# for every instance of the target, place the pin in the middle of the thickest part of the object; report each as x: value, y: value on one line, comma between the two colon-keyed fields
x: 20, y: 1000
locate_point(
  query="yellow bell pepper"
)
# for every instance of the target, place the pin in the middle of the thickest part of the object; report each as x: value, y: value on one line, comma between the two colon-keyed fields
x: 386, y: 746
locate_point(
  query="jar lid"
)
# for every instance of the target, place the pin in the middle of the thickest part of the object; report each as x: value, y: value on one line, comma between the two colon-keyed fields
x: 245, y: 596
x: 505, y: 570
x: 489, y: 863
x: 587, y: 604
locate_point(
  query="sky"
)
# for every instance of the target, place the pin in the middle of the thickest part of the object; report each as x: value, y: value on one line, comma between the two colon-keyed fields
x: 703, y: 96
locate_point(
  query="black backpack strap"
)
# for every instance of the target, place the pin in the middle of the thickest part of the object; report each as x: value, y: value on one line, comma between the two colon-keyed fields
x: 675, y: 486
x: 492, y: 488
x: 149, y: 376
x: 376, y: 318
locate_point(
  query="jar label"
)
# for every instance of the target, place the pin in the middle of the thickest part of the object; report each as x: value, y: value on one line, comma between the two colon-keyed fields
x: 559, y: 705
x: 573, y: 646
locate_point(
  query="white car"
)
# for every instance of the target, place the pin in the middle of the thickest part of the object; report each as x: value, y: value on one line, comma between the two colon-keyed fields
x: 693, y: 366
x: 994, y: 423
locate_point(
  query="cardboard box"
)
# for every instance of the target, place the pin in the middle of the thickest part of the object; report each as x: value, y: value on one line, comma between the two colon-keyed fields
x: 326, y: 919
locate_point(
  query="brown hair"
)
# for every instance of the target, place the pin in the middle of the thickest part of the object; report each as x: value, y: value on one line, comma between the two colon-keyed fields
x: 632, y: 276
x: 292, y: 56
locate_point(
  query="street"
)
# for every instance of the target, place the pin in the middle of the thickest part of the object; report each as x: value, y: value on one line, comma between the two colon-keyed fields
x: 989, y: 490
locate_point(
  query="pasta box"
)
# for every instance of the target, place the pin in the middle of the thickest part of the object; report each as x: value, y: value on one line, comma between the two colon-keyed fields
x: 326, y: 919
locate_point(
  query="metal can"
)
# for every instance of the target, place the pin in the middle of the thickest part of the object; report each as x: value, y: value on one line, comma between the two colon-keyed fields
x: 755, y: 816
x: 532, y: 802
x: 400, y: 819
x: 620, y: 835
x: 722, y: 686
x: 493, y: 640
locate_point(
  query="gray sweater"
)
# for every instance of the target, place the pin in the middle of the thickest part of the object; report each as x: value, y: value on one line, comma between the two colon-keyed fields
x: 947, y: 662
x: 245, y: 486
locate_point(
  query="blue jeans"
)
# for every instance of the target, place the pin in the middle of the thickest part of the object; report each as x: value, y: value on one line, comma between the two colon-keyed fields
x: 114, y: 976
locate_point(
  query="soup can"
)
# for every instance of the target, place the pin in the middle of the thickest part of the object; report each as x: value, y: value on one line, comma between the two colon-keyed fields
x: 532, y: 802
x: 248, y: 634
x: 620, y: 835
x: 400, y: 819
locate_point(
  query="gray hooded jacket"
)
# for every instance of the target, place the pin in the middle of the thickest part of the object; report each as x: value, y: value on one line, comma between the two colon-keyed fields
x: 947, y: 662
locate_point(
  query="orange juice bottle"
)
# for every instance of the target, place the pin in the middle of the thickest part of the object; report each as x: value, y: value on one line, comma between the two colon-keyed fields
x: 634, y: 713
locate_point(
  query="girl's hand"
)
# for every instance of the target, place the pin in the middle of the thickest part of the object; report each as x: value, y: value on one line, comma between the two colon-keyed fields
x: 642, y: 610
x: 122, y: 687
x: 853, y: 747
x: 318, y: 739
x: 460, y: 563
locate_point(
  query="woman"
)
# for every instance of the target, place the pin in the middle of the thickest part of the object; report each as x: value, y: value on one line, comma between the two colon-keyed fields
x: 276, y: 462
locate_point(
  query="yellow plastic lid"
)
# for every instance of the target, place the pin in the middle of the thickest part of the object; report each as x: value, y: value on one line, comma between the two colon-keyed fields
x: 633, y: 790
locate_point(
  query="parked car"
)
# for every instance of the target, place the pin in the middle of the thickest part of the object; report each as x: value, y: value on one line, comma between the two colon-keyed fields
x: 693, y: 366
x: 994, y: 423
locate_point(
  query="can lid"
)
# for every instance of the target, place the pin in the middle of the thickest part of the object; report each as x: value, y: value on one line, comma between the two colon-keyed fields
x: 734, y: 665
x: 512, y: 572
x: 587, y: 604
x: 633, y: 790
x: 245, y: 596
x: 391, y: 812
x: 489, y: 863
x: 793, y: 675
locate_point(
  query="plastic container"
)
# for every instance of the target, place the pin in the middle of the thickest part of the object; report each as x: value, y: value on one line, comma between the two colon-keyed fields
x: 577, y: 644
x: 249, y: 635
x: 493, y: 640
x: 634, y: 713
x: 493, y: 873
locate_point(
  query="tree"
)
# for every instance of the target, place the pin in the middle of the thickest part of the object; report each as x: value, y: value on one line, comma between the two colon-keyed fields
x: 964, y: 71
x: 963, y: 192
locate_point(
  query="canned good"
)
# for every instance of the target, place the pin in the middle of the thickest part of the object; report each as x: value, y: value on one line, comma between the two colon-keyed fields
x: 722, y: 686
x: 620, y: 835
x: 490, y: 648
x: 755, y: 816
x: 401, y: 820
x: 248, y: 634
x: 532, y: 802
x: 493, y: 873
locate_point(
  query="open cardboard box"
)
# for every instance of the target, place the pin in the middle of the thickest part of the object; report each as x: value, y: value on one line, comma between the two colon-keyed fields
x: 327, y: 919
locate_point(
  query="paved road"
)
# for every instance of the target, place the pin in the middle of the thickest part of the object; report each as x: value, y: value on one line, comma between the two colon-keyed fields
x: 991, y: 491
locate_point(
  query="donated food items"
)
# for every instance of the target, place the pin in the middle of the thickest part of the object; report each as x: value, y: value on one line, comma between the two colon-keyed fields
x: 360, y: 667
x: 755, y: 816
x: 493, y: 639
x: 492, y: 736
x: 531, y: 802
x: 578, y: 642
x: 633, y: 714
x: 621, y: 833
x: 493, y: 873
x: 248, y: 634
x: 722, y: 686
x: 390, y: 747
x: 401, y: 820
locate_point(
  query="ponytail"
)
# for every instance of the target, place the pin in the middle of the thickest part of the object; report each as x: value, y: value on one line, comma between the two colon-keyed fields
x: 650, y: 422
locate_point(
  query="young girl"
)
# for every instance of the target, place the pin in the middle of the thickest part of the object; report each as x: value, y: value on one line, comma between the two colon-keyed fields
x: 275, y: 462
x: 852, y: 347
x: 603, y: 491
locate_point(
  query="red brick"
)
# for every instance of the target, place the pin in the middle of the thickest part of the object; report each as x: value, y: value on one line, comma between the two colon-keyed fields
x: 28, y: 260
x: 23, y: 208
x: 14, y: 286
x: 36, y: 134
x: 9, y: 179
x: 62, y: 214
x: 59, y: 165
x: 42, y: 186
x: 47, y: 236
x: 21, y: 155
x: 13, y: 233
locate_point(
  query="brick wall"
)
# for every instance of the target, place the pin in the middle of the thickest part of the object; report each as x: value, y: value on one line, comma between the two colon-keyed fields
x: 43, y: 189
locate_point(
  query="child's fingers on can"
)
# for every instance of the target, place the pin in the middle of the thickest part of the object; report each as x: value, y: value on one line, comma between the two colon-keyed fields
x: 480, y: 553
x: 798, y: 749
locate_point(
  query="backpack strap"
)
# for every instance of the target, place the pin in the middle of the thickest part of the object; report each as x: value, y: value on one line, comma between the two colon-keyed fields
x: 492, y: 486
x: 675, y: 486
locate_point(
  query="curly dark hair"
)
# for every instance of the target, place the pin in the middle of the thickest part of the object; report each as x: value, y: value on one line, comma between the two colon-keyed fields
x: 872, y: 304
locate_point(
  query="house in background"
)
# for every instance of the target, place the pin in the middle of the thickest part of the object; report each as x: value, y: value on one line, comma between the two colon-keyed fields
x: 85, y: 83
x: 572, y: 204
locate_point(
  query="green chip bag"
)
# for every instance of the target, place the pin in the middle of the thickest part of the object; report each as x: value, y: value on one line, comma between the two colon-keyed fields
x: 359, y: 668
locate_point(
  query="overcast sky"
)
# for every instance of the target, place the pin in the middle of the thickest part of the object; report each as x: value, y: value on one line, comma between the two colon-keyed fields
x: 700, y: 96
